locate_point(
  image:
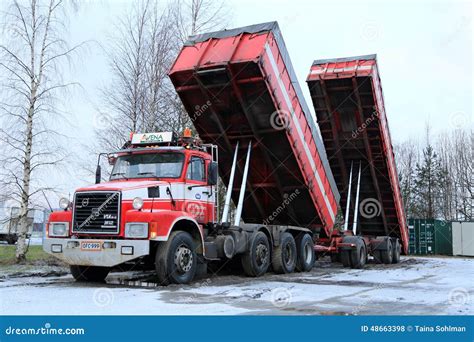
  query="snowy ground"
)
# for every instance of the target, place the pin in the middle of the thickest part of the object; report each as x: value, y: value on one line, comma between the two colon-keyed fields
x: 416, y: 286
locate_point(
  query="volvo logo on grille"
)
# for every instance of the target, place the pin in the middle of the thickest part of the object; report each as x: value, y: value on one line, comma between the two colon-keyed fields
x: 97, y: 212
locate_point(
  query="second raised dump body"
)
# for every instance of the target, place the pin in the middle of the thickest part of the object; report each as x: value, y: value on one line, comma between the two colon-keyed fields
x: 239, y: 86
x: 348, y: 100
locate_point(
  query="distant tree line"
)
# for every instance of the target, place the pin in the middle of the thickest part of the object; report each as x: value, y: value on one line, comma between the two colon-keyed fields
x: 437, y: 175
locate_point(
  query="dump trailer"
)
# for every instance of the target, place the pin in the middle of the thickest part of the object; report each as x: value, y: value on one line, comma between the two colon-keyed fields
x: 348, y: 101
x: 239, y: 86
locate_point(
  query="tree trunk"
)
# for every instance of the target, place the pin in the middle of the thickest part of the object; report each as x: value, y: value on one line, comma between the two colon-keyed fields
x: 22, y: 247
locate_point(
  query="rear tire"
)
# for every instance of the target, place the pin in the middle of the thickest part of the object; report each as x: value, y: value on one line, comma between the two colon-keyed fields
x: 377, y: 254
x: 256, y: 260
x: 284, y: 255
x: 354, y: 257
x: 345, y: 257
x: 386, y: 254
x: 305, y: 257
x: 12, y: 239
x: 176, y: 259
x: 359, y: 255
x: 396, y: 251
x: 335, y: 257
x: 89, y: 273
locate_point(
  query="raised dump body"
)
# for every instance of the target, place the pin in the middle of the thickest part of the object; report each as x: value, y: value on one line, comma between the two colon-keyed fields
x: 348, y: 100
x: 239, y: 86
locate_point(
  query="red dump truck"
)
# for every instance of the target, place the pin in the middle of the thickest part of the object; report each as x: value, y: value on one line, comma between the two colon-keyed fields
x: 349, y: 105
x: 160, y: 205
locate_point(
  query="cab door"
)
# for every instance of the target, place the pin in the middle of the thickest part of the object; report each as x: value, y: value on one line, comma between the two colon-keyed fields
x: 197, y: 192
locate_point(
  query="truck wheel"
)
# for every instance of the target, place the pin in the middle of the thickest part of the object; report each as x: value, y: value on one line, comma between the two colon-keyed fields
x: 305, y: 253
x: 176, y: 259
x: 386, y: 254
x: 284, y: 255
x: 359, y: 255
x: 89, y: 273
x: 12, y: 239
x: 396, y: 251
x: 256, y: 260
x: 335, y: 257
x: 377, y: 254
x: 345, y: 256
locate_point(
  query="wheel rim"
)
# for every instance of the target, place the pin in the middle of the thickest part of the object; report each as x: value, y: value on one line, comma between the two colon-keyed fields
x: 288, y: 255
x: 183, y: 259
x: 308, y: 253
x: 261, y: 254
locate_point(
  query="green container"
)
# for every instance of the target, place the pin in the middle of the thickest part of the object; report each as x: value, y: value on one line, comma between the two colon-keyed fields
x: 443, y: 237
x: 429, y: 236
x: 421, y: 236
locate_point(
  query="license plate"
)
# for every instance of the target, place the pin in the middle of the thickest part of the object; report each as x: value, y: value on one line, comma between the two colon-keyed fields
x: 91, y: 245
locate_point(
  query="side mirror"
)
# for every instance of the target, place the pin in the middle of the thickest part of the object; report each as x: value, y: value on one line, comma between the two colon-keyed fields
x: 98, y: 174
x: 212, y: 173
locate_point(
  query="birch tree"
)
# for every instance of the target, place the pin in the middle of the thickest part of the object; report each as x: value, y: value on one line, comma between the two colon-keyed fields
x: 140, y: 96
x: 33, y: 53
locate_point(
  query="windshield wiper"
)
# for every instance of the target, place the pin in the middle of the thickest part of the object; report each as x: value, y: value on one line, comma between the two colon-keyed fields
x: 146, y: 173
x: 119, y: 174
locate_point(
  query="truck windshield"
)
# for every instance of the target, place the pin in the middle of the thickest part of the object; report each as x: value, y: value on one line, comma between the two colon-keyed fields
x: 160, y: 165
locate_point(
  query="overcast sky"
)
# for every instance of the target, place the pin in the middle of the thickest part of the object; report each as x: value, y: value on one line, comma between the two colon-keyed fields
x: 424, y: 51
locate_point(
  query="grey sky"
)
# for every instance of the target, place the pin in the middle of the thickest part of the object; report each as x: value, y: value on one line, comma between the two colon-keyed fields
x: 424, y: 51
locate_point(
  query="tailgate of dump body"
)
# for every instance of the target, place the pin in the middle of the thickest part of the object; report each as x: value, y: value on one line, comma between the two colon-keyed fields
x: 348, y: 100
x: 239, y: 85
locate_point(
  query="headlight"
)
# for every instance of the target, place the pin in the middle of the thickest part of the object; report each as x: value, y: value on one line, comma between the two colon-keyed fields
x: 59, y: 229
x: 64, y: 203
x: 136, y: 230
x: 137, y: 203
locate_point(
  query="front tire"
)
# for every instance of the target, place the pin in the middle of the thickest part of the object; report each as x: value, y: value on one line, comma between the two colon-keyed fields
x: 256, y: 260
x: 89, y: 273
x: 176, y: 259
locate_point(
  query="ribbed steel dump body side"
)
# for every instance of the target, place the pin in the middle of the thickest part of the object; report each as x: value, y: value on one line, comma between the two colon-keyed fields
x: 348, y: 100
x: 239, y: 85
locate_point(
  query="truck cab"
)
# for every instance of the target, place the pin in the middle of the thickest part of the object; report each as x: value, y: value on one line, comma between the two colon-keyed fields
x: 159, y: 184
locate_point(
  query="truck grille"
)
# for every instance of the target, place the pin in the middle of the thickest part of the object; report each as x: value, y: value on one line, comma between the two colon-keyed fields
x: 96, y: 212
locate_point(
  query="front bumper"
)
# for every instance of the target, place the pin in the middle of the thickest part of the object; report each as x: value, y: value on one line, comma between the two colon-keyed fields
x: 110, y: 253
